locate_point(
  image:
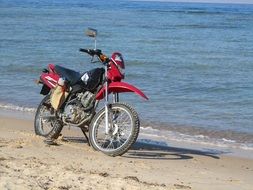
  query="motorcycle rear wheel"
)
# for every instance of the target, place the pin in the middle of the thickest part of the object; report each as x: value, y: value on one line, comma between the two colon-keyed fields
x: 124, y: 126
x: 44, y: 123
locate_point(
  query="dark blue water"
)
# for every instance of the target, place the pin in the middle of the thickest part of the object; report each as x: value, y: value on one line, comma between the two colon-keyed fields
x: 194, y: 61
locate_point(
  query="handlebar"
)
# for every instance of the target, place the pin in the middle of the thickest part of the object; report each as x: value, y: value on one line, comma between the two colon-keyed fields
x: 92, y: 52
x: 83, y: 50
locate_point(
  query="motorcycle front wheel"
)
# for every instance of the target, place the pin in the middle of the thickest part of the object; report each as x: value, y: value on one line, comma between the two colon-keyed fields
x: 45, y: 123
x: 124, y: 126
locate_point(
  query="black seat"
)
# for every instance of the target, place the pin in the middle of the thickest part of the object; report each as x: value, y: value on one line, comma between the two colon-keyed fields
x: 70, y: 75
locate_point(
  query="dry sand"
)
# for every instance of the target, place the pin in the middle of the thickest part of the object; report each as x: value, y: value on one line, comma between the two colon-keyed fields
x: 27, y: 163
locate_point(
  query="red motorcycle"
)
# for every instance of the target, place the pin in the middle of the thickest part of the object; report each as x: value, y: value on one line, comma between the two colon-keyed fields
x: 72, y: 99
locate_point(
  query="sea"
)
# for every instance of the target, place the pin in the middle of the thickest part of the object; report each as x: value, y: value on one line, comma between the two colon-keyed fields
x: 194, y: 61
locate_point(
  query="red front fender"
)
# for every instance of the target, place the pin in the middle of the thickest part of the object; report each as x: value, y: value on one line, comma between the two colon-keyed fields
x: 119, y: 87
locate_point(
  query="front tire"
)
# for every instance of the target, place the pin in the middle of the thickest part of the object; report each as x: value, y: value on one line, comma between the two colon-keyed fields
x: 46, y: 123
x: 124, y: 126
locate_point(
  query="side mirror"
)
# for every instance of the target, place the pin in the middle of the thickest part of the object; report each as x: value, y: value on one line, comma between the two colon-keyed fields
x: 91, y: 32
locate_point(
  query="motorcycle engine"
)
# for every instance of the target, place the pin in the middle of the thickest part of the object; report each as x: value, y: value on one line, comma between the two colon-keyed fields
x: 79, y: 109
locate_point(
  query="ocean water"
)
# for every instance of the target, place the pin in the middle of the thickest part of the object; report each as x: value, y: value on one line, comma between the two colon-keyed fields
x: 194, y: 61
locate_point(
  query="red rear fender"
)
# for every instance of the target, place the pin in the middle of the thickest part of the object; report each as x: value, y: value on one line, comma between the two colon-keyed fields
x: 120, y: 87
x: 49, y: 79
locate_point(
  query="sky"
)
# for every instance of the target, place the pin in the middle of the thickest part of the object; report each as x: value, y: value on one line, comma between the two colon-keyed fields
x: 211, y: 1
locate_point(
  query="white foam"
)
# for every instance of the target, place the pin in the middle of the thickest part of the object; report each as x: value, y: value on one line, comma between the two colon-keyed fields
x: 174, y: 136
x: 17, y: 108
x: 228, y: 140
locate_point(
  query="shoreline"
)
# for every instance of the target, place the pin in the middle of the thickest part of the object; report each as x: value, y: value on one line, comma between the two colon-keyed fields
x: 26, y: 162
x: 156, y: 137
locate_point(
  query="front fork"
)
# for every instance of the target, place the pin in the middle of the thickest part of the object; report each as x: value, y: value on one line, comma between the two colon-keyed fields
x: 106, y: 103
x: 115, y: 99
x: 106, y: 110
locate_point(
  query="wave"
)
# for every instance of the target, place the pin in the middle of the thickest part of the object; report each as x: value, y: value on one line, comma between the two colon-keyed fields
x: 198, y: 11
x: 205, y: 26
x: 224, y: 139
x: 17, y: 108
x: 162, y: 136
x: 185, y: 11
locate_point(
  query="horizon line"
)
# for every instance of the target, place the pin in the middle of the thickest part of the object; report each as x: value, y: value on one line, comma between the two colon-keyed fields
x: 204, y: 2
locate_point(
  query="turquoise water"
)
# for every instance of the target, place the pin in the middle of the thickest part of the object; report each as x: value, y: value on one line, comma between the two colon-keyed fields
x: 194, y: 61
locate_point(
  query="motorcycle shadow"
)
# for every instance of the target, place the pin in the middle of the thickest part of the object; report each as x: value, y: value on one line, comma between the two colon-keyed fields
x: 142, y: 150
x: 74, y: 139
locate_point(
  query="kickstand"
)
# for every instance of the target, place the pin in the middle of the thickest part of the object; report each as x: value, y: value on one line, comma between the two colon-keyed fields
x: 83, y: 130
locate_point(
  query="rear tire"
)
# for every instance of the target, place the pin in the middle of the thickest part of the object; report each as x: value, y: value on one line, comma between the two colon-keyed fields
x: 124, y: 125
x: 47, y: 127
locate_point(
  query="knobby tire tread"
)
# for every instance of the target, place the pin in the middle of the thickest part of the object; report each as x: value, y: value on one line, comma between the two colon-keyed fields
x: 56, y: 129
x: 133, y: 137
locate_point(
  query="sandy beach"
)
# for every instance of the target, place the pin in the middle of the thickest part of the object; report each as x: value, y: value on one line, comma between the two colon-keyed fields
x: 27, y: 163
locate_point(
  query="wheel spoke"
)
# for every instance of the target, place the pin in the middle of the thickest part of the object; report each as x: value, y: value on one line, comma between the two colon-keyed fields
x: 46, y: 120
x: 120, y: 129
x: 121, y: 141
x: 110, y: 145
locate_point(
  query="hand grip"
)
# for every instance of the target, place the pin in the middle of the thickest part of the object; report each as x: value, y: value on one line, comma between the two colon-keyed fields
x: 84, y: 50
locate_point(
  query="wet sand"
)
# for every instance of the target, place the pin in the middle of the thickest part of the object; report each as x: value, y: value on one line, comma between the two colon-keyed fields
x: 27, y: 163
